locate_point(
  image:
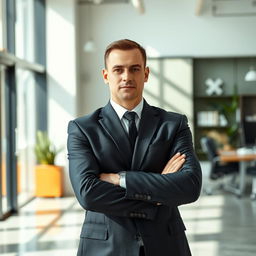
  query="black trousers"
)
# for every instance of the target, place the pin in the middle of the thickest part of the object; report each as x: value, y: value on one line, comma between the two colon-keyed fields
x: 142, y: 252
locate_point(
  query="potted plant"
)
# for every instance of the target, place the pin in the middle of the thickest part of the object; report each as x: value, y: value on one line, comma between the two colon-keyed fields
x: 48, y: 176
x: 230, y: 112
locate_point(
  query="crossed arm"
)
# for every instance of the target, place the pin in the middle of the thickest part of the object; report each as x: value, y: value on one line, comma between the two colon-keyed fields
x: 96, y: 191
x: 173, y: 165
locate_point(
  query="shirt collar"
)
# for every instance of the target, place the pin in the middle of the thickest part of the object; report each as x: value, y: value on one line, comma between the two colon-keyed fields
x: 121, y: 110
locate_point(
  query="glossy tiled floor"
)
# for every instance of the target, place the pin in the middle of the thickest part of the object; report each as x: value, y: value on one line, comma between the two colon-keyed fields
x: 43, y: 227
x: 219, y: 225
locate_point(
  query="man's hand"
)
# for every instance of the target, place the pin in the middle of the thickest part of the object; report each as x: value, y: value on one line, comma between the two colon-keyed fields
x: 110, y: 177
x: 174, y: 164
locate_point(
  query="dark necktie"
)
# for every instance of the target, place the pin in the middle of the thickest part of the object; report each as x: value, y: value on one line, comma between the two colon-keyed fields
x: 130, y: 116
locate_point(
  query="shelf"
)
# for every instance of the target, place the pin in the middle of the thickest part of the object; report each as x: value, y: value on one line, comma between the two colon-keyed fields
x: 209, y: 108
x: 213, y: 96
x: 200, y: 151
x: 212, y: 127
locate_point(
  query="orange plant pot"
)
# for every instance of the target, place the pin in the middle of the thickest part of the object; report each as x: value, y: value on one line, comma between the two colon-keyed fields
x: 48, y: 181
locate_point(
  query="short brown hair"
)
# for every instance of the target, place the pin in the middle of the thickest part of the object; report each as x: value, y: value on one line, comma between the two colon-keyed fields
x: 124, y: 44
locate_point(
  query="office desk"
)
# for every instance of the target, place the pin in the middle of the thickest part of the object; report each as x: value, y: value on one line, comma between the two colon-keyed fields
x: 243, y: 159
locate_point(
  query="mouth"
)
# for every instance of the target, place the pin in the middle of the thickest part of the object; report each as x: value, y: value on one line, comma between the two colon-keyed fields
x: 127, y: 87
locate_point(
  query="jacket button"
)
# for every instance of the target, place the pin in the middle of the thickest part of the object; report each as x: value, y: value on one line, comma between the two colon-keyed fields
x: 149, y: 198
x: 137, y: 196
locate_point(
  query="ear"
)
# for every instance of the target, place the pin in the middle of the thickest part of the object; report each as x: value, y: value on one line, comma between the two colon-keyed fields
x: 146, y: 74
x: 105, y: 75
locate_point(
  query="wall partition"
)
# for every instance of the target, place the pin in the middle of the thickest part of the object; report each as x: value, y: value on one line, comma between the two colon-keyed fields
x: 170, y: 85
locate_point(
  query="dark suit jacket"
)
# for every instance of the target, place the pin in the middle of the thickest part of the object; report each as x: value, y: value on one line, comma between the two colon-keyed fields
x: 117, y: 218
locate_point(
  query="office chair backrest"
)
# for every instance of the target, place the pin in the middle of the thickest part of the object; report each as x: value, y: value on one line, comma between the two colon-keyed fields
x: 209, y: 147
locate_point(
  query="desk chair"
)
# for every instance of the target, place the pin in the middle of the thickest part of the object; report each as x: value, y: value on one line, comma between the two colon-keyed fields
x: 218, y: 170
x: 252, y: 171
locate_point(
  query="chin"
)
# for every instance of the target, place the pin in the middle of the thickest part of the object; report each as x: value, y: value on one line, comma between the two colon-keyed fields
x: 128, y: 98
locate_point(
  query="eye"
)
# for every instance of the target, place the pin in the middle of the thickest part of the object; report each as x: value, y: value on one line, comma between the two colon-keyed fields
x: 135, y: 69
x: 117, y: 70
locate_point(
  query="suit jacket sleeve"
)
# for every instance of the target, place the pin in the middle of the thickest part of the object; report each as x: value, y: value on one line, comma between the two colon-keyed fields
x: 171, y: 189
x: 92, y: 193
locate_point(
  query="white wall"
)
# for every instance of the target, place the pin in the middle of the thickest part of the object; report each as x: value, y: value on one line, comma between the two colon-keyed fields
x: 170, y: 27
x: 61, y: 75
x: 170, y: 85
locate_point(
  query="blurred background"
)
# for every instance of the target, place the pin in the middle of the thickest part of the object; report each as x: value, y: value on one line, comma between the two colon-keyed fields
x: 202, y: 58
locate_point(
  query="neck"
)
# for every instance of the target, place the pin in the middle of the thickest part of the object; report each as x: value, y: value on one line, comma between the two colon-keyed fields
x: 129, y: 105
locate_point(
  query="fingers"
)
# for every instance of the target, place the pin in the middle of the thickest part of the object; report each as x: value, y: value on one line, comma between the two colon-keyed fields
x: 177, y: 165
x: 174, y: 160
x: 171, y: 161
x: 174, y: 164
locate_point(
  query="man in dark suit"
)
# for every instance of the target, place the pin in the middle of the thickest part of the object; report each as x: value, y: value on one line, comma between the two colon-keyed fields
x: 131, y: 165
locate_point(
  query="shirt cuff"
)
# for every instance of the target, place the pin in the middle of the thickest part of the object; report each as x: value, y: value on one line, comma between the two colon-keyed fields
x: 122, y: 181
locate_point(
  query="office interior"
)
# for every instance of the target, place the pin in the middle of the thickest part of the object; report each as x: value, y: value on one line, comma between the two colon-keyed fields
x: 200, y: 53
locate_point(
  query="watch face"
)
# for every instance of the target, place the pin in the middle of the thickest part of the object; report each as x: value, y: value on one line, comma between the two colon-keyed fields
x: 121, y: 174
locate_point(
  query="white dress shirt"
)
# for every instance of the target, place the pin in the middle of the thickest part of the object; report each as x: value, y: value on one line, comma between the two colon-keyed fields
x: 120, y: 112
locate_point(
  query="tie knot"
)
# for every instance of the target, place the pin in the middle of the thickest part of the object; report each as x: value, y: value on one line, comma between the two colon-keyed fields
x: 130, y: 115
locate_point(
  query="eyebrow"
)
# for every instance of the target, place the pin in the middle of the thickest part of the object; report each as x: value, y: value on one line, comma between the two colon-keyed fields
x: 122, y: 66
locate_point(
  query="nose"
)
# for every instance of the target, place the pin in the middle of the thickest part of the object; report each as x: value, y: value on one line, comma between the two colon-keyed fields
x: 126, y: 76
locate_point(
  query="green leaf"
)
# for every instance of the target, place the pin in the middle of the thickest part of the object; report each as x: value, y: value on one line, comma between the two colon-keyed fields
x: 44, y: 149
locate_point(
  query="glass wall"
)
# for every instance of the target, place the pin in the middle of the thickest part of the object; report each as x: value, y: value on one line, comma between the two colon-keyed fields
x: 25, y: 134
x: 1, y: 24
x: 26, y: 122
x: 24, y: 29
x: 3, y: 145
x: 21, y: 80
x: 3, y: 149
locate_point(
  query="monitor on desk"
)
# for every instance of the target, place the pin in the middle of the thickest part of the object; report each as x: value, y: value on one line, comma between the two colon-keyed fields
x: 248, y: 134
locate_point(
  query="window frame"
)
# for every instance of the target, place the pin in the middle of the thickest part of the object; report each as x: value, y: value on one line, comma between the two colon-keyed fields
x: 11, y: 63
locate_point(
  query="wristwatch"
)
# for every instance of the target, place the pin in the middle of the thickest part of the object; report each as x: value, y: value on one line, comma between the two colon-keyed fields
x: 122, y: 181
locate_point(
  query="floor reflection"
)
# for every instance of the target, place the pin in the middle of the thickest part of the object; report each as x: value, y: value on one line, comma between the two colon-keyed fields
x: 219, y: 225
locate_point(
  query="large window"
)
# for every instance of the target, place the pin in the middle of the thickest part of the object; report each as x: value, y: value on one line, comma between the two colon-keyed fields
x: 24, y: 29
x: 1, y: 25
x: 3, y: 146
x: 22, y: 98
x: 26, y: 129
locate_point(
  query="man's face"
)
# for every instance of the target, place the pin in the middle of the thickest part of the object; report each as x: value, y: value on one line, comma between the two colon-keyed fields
x: 125, y: 74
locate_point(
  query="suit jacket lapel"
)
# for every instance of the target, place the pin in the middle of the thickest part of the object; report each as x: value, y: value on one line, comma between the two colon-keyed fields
x: 112, y: 125
x: 148, y: 125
